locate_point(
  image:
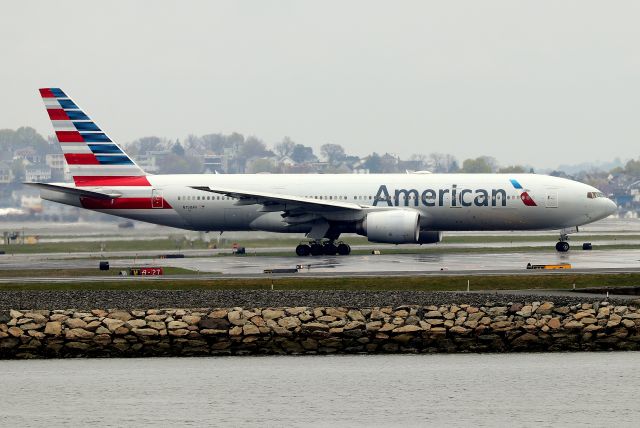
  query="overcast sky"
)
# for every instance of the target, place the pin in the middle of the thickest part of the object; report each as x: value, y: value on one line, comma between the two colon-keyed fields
x: 538, y: 82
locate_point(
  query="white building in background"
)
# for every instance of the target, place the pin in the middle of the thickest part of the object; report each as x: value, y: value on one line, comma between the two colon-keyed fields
x: 213, y: 163
x: 150, y: 161
x: 6, y: 175
x: 59, y: 168
x: 55, y: 161
x: 37, y: 173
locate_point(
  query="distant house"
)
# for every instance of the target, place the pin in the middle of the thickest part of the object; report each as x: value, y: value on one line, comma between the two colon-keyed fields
x: 150, y: 161
x: 55, y: 160
x: 6, y: 175
x: 37, y: 173
x: 58, y: 165
x: 28, y: 154
x: 286, y: 161
x: 213, y: 163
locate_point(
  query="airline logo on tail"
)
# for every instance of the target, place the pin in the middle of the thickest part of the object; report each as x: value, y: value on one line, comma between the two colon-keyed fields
x: 524, y: 196
x: 93, y: 159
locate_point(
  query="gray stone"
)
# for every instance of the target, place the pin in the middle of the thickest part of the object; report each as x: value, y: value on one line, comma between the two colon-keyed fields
x: 545, y: 308
x: 407, y: 329
x: 296, y: 311
x: 145, y: 331
x: 235, y: 331
x: 460, y: 330
x: 36, y: 317
x: 31, y: 326
x: 78, y: 333
x: 175, y: 325
x: 315, y: 326
x: 15, y: 314
x: 335, y: 312
x: 289, y: 322
x: 100, y: 330
x: 53, y: 328
x: 571, y: 325
x: 235, y: 318
x: 269, y: 314
x: 218, y: 313
x: 112, y: 324
x: 75, y: 323
x: 214, y: 323
x: 120, y: 315
x: 213, y: 332
x: 191, y: 319
x: 15, y: 331
x: 355, y: 315
x: 58, y: 317
x: 135, y: 323
x: 498, y: 310
x: 249, y: 329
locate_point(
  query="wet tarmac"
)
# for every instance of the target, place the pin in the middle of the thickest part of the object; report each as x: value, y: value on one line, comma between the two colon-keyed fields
x: 384, y: 264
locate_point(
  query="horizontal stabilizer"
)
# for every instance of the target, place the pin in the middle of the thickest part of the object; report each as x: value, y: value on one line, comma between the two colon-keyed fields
x: 75, y: 191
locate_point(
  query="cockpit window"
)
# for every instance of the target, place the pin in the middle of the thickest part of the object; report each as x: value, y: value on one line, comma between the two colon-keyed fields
x: 593, y: 195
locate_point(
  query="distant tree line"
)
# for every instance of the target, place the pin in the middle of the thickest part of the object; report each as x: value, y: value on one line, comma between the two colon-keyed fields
x: 251, y: 154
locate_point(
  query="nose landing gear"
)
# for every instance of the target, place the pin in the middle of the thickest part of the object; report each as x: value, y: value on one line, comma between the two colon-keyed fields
x: 318, y: 248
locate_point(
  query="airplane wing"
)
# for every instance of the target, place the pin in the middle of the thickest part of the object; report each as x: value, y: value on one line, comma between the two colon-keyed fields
x: 75, y: 191
x: 281, y: 202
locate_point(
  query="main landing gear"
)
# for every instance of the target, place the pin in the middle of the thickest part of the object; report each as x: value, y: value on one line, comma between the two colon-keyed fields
x: 319, y: 248
x: 563, y: 246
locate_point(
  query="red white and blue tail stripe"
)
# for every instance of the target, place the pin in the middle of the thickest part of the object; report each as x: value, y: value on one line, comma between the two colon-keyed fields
x: 93, y: 158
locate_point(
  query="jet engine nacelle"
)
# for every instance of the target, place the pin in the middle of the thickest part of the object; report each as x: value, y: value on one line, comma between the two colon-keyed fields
x: 392, y: 227
x: 429, y: 237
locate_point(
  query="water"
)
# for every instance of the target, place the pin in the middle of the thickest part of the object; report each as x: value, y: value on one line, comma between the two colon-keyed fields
x: 409, y: 390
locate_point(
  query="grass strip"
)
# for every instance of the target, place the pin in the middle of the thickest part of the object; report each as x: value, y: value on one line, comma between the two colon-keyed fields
x: 417, y: 283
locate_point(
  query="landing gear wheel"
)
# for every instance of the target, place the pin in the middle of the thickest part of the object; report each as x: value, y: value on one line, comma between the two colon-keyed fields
x: 330, y: 249
x: 344, y: 249
x: 303, y: 250
x: 316, y: 249
x: 562, y: 246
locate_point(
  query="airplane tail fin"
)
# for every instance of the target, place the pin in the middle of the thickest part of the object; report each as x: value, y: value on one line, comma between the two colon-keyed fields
x: 93, y: 158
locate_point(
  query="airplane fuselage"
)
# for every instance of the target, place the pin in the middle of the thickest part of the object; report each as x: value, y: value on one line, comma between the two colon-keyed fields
x: 446, y: 202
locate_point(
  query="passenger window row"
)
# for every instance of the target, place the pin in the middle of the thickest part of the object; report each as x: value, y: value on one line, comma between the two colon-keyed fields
x: 205, y: 198
x: 590, y: 195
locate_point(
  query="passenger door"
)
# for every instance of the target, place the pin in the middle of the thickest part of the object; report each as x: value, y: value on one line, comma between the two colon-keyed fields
x: 552, y: 199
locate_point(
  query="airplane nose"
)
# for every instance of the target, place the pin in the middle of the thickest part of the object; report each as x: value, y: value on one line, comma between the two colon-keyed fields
x: 611, y: 207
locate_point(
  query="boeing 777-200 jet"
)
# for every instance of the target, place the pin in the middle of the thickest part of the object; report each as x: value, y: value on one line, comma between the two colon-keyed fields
x: 411, y: 208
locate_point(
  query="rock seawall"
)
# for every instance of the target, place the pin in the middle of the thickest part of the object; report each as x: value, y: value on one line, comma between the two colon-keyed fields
x: 527, y: 326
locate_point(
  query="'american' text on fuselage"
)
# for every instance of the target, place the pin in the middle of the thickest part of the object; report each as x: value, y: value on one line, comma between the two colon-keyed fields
x: 458, y: 197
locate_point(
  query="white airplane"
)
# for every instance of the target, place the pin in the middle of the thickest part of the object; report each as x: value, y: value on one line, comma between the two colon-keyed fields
x: 412, y: 208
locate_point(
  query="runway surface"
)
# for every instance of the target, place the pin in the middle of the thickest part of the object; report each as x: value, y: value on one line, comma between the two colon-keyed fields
x: 361, y: 265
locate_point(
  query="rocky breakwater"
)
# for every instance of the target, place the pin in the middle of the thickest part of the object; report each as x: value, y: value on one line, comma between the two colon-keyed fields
x: 493, y: 327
